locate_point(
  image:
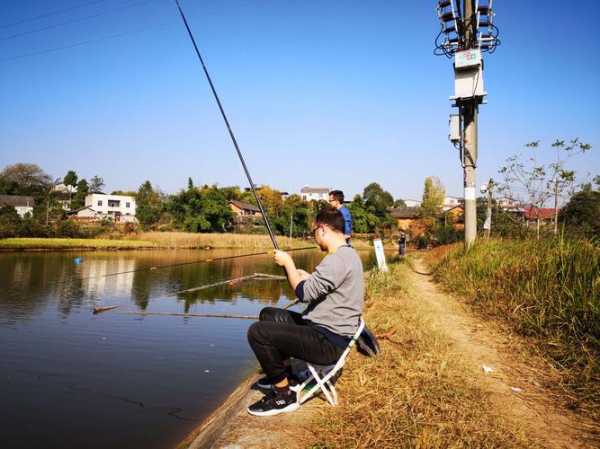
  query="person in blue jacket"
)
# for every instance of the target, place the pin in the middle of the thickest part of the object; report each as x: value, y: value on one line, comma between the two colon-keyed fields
x: 336, y: 200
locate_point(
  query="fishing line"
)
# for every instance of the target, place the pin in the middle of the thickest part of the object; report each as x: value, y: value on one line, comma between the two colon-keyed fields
x: 233, y: 139
x: 179, y: 264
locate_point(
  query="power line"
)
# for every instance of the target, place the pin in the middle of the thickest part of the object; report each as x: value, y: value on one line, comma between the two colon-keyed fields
x: 78, y: 44
x: 51, y: 13
x: 68, y: 22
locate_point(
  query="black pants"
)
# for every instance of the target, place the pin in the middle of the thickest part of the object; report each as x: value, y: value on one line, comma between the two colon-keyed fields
x: 280, y: 334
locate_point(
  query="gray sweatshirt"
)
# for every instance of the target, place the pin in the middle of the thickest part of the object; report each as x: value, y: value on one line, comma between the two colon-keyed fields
x: 335, y: 292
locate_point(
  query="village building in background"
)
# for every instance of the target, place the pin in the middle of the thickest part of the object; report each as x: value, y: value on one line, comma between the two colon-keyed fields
x: 23, y: 204
x: 451, y: 202
x: 99, y: 206
x: 532, y: 215
x: 314, y: 193
x: 63, y: 195
x: 412, y: 203
x: 405, y: 217
x: 243, y: 209
x: 247, y: 217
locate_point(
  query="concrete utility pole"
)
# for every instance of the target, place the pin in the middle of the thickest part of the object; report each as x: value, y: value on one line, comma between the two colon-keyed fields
x: 468, y: 31
x: 470, y: 110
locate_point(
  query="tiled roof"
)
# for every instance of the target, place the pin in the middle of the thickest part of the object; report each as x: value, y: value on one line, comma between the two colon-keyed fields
x: 244, y: 206
x: 543, y: 213
x: 405, y: 212
x: 314, y: 190
x: 16, y: 200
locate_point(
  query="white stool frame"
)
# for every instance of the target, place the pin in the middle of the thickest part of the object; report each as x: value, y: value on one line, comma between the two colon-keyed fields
x: 324, y: 383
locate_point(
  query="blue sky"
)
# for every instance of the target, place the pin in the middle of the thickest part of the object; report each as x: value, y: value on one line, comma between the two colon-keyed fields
x: 338, y: 94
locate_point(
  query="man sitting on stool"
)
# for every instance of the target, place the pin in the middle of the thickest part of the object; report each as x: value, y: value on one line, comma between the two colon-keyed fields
x: 319, y: 335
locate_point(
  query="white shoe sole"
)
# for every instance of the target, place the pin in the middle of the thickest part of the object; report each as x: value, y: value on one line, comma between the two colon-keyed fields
x: 276, y: 411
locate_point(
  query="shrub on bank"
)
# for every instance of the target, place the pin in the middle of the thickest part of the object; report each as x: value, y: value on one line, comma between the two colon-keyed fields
x: 546, y: 289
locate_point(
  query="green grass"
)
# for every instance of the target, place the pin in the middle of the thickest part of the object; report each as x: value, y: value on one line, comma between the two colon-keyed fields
x: 66, y: 243
x: 547, y: 291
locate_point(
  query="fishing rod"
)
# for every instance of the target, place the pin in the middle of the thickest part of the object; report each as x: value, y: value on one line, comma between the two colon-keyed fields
x: 233, y: 139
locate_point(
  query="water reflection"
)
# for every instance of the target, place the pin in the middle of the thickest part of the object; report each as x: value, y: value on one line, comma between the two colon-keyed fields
x: 28, y: 281
x: 65, y: 370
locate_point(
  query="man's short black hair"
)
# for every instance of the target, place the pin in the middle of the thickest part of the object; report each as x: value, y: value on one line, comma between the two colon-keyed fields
x: 332, y: 218
x: 338, y: 195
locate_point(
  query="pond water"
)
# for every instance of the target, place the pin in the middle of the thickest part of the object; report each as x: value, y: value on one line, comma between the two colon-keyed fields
x: 71, y: 379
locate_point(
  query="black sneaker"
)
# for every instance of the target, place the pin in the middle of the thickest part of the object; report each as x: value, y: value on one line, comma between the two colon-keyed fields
x: 274, y: 404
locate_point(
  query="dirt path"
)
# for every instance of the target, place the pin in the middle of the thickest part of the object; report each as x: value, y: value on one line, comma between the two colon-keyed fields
x: 509, y: 379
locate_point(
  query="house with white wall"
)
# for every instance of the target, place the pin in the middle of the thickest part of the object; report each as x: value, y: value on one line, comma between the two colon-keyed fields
x: 118, y: 208
x: 450, y: 202
x: 412, y: 203
x: 22, y: 204
x: 314, y: 193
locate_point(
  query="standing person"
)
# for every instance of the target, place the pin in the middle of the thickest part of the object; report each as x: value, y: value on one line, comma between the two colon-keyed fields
x: 402, y: 244
x: 335, y: 295
x: 336, y: 199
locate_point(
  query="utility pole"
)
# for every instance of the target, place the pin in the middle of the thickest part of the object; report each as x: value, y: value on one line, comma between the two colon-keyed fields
x: 467, y: 31
x: 470, y: 110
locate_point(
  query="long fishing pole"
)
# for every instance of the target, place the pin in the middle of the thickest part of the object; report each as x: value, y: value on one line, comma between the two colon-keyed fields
x: 233, y: 139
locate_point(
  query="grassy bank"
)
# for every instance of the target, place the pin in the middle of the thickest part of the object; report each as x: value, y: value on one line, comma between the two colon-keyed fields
x: 66, y: 243
x: 218, y: 241
x: 164, y: 240
x: 227, y: 241
x: 418, y: 393
x: 547, y: 291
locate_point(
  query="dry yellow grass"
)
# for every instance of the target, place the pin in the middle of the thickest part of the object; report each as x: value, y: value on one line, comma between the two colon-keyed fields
x: 225, y: 241
x: 418, y: 393
x: 229, y: 241
x: 26, y: 243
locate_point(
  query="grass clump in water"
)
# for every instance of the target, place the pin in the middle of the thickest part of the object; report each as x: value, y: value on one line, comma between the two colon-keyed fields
x: 547, y: 290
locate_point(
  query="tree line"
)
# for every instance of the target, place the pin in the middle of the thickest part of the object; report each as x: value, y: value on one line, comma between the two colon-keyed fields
x: 203, y: 208
x: 206, y: 209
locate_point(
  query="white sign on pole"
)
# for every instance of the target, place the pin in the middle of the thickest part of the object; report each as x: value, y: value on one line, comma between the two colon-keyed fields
x: 487, y: 223
x: 380, y: 255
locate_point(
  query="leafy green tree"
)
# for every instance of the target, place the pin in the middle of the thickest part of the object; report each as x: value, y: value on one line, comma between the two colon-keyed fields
x: 9, y: 222
x: 124, y: 192
x: 295, y: 216
x: 232, y: 193
x: 70, y: 181
x: 433, y: 197
x: 582, y: 212
x: 83, y: 189
x: 148, y: 205
x: 377, y: 200
x: 399, y: 203
x: 70, y: 178
x: 203, y: 209
x: 363, y: 221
